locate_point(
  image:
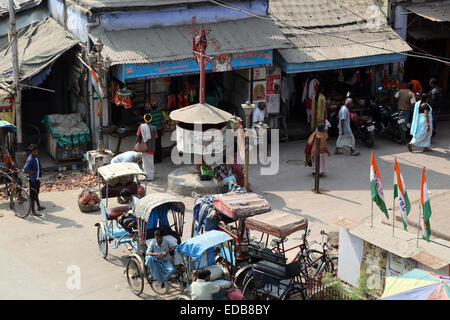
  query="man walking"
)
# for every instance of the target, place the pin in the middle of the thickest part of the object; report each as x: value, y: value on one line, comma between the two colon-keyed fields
x: 435, y: 95
x: 406, y: 101
x: 157, y: 118
x: 346, y: 138
x: 33, y: 169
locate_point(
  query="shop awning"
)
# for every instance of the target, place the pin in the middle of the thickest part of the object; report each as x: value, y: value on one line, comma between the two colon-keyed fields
x: 330, y: 35
x: 438, y: 11
x: 39, y: 45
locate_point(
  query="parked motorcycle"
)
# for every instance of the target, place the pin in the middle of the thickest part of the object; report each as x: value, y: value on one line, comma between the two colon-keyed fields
x: 363, y: 127
x: 388, y: 123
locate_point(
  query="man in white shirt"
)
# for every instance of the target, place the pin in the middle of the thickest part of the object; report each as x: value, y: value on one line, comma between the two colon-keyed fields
x: 202, y: 289
x: 259, y: 113
x: 129, y: 156
x: 158, y: 258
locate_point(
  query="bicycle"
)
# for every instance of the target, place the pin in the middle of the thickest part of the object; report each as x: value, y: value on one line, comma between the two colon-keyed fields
x: 319, y: 261
x: 15, y: 188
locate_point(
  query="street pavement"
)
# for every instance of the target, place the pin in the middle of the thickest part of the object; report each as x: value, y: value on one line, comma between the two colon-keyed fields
x: 40, y: 256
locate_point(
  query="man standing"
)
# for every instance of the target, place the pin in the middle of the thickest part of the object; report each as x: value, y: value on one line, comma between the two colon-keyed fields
x: 129, y: 156
x: 33, y: 169
x: 345, y: 138
x: 406, y: 101
x: 435, y: 95
x: 148, y: 134
x: 158, y: 258
x: 157, y: 118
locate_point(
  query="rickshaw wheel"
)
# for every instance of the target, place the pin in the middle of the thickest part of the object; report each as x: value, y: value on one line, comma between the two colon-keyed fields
x: 249, y: 292
x: 183, y: 297
x: 294, y: 294
x: 135, y: 277
x: 102, y: 242
x: 19, y: 202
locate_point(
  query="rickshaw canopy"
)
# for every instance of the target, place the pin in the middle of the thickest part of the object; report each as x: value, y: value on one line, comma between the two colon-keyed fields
x: 112, y: 173
x: 237, y: 206
x: 196, y: 246
x: 147, y: 207
x: 277, y: 223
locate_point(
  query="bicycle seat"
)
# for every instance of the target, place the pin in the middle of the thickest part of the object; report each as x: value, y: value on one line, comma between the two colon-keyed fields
x: 271, y: 268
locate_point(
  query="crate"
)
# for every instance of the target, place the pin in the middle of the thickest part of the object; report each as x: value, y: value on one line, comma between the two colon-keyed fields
x: 64, y: 153
x: 96, y: 159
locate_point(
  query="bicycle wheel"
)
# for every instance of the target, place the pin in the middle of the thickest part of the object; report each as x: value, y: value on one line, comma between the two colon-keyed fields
x: 331, y: 265
x: 102, y: 241
x: 251, y: 292
x: 326, y: 266
x: 135, y: 277
x: 31, y: 135
x: 311, y: 261
x: 20, y: 202
x: 294, y: 293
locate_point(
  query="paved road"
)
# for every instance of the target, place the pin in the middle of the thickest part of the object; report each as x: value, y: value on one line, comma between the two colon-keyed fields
x: 38, y: 255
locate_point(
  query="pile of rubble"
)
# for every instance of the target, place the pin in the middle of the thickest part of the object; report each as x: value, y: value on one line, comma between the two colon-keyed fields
x: 70, y: 181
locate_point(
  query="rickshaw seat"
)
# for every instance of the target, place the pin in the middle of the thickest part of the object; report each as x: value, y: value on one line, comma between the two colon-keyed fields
x: 114, y: 212
x: 271, y: 268
x: 115, y: 191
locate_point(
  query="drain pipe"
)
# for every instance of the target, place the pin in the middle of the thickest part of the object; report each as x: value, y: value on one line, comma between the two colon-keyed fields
x: 92, y: 112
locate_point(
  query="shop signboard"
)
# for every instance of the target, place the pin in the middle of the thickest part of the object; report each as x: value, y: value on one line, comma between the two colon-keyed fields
x: 219, y: 63
x: 259, y: 92
x: 7, y: 108
x: 374, y: 261
x: 273, y: 93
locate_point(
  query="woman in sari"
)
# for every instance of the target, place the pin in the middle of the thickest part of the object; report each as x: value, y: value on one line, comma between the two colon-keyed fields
x: 422, y: 125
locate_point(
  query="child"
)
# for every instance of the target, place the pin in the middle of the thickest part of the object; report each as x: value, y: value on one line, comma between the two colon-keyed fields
x: 310, y: 149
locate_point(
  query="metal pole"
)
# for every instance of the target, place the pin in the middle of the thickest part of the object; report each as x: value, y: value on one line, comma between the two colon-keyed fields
x: 202, y: 78
x: 371, y: 201
x: 100, y: 146
x: 247, y: 121
x: 317, y: 167
x: 15, y: 63
x: 393, y: 216
x: 418, y: 227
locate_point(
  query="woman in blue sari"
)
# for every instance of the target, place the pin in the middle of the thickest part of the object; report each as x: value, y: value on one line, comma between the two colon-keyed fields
x: 422, y: 125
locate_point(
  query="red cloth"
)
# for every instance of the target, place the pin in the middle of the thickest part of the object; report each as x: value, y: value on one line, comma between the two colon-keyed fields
x: 138, y: 133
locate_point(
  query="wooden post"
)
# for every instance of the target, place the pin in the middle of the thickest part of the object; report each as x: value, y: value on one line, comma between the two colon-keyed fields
x: 247, y: 120
x: 317, y: 165
x: 15, y: 65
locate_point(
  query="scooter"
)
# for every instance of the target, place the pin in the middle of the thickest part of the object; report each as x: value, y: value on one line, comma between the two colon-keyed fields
x: 388, y: 123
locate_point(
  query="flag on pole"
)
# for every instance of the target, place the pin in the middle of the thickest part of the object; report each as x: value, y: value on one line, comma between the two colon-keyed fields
x: 376, y: 187
x: 96, y: 84
x: 400, y: 192
x: 425, y: 209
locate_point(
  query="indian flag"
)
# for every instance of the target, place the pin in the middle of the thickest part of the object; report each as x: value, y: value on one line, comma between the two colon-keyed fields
x: 376, y: 187
x: 96, y: 84
x: 400, y: 192
x: 425, y: 209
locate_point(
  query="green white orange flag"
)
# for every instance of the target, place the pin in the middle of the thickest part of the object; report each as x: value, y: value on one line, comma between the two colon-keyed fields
x: 96, y: 84
x: 376, y: 186
x: 400, y: 192
x: 425, y: 209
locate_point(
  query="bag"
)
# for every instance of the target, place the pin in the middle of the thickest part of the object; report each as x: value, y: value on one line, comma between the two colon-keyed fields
x: 235, y: 295
x: 140, y: 145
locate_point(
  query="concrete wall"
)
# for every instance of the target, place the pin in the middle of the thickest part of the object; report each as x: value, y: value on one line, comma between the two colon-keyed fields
x: 442, y: 272
x: 350, y: 257
x: 73, y: 20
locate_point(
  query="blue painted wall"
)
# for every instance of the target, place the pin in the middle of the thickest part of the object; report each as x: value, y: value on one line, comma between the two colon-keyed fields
x: 76, y: 21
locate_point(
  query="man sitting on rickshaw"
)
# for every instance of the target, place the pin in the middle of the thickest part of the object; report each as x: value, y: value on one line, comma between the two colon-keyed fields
x: 158, y: 257
x: 6, y: 162
x: 202, y: 289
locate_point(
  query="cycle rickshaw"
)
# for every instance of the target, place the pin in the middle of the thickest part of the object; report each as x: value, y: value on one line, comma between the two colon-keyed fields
x: 227, y: 213
x: 203, y: 252
x: 152, y: 212
x: 112, y: 179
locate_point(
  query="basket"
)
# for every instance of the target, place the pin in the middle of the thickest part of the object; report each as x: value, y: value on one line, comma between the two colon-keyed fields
x: 89, y: 207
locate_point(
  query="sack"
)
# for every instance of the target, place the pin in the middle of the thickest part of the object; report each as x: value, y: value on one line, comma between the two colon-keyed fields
x: 140, y: 145
x: 235, y: 295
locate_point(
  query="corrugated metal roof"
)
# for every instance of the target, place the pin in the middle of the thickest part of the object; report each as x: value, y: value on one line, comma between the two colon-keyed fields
x: 107, y: 5
x: 175, y: 42
x: 322, y: 30
x: 20, y: 5
x: 438, y: 11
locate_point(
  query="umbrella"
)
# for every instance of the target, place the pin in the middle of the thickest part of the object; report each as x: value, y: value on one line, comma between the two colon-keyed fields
x: 417, y: 285
x: 201, y: 113
x: 10, y: 127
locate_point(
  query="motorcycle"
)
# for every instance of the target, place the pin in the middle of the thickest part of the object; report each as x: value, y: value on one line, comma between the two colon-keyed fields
x: 388, y: 123
x: 363, y: 127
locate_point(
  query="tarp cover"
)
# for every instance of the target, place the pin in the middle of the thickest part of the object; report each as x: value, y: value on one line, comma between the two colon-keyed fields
x: 238, y: 206
x: 145, y: 205
x: 39, y: 45
x: 194, y: 247
x: 68, y: 129
x: 114, y: 171
x: 277, y: 223
x: 201, y: 113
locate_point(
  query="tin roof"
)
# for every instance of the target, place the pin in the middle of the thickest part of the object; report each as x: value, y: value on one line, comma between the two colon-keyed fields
x: 324, y: 30
x: 110, y: 5
x: 438, y: 11
x: 175, y: 42
x: 20, y: 5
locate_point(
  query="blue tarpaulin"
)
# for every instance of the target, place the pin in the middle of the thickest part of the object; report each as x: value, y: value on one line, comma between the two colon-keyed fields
x: 194, y: 247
